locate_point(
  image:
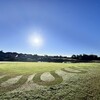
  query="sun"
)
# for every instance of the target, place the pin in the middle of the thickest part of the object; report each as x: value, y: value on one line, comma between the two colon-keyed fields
x: 36, y: 40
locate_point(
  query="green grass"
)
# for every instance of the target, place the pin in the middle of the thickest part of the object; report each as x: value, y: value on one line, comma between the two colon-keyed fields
x: 38, y: 67
x: 5, y: 78
x: 58, y: 79
x: 84, y: 85
x: 80, y: 70
x: 22, y: 80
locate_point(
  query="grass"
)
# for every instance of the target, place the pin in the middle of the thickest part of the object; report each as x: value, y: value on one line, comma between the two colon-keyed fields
x: 21, y: 81
x: 84, y: 85
x: 80, y: 71
x: 58, y: 79
x: 38, y: 67
x: 5, y: 78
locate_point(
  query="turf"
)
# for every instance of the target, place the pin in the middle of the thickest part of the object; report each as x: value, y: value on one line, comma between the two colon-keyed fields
x: 38, y: 67
x: 14, y: 86
x: 58, y: 79
x: 83, y: 85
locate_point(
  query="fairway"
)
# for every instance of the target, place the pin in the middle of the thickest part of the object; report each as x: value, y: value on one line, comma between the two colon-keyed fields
x: 37, y: 77
x: 36, y: 67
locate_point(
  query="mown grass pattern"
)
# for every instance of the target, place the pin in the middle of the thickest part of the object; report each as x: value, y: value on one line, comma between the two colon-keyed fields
x: 20, y: 82
x: 37, y: 79
x: 81, y: 87
x: 80, y: 70
x: 5, y: 78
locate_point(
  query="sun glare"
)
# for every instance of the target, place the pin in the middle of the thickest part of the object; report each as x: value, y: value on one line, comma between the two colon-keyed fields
x: 36, y: 40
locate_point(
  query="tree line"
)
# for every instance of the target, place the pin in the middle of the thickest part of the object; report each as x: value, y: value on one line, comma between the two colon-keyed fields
x: 85, y: 57
x: 14, y: 56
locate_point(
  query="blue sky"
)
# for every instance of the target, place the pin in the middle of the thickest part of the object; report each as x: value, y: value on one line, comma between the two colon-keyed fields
x: 66, y: 26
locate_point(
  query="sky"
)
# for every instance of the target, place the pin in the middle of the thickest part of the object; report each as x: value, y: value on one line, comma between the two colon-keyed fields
x: 53, y: 27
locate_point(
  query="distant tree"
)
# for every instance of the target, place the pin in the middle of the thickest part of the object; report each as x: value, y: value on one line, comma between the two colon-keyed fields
x: 74, y: 57
x: 2, y: 55
x: 14, y: 56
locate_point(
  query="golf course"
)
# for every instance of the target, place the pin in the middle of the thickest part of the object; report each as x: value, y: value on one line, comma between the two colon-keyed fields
x: 49, y: 81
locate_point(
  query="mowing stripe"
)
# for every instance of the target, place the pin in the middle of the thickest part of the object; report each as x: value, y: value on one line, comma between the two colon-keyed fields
x: 2, y: 76
x: 47, y: 77
x: 60, y: 73
x: 19, y: 83
x: 66, y: 76
x: 30, y: 78
x: 73, y: 70
x: 58, y: 79
x: 5, y: 78
x: 29, y: 85
x: 37, y: 79
x: 11, y: 81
